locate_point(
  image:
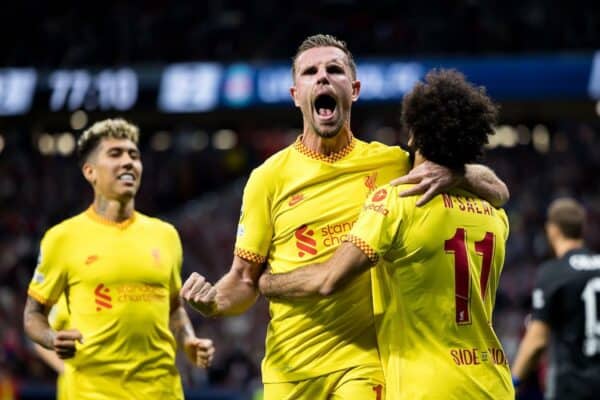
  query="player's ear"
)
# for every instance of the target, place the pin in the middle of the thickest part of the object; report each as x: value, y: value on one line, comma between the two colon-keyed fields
x: 89, y: 172
x: 355, y: 90
x: 411, y: 139
x: 552, y: 231
x: 293, y: 92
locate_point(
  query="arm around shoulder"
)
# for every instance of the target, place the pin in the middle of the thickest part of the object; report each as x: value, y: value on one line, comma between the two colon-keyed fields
x: 482, y: 181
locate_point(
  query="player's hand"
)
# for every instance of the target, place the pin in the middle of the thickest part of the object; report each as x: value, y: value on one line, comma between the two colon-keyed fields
x: 199, y: 351
x: 430, y: 179
x: 200, y: 294
x: 64, y: 342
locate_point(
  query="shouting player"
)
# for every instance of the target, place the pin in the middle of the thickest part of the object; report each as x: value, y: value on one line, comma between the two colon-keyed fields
x: 439, y: 264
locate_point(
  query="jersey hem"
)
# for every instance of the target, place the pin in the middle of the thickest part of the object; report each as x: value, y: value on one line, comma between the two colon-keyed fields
x: 281, y: 378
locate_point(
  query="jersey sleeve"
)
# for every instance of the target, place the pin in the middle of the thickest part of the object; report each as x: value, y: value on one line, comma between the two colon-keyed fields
x: 50, y: 276
x: 544, y: 295
x: 255, y: 229
x: 403, y: 160
x: 378, y: 223
x: 175, y: 247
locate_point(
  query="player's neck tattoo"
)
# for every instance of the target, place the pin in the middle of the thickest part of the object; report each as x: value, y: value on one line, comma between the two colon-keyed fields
x: 113, y: 210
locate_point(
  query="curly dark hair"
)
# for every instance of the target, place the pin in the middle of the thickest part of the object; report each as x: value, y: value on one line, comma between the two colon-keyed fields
x: 449, y: 118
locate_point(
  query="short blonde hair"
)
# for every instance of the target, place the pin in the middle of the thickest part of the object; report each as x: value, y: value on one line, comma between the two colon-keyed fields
x: 116, y: 128
x: 322, y: 40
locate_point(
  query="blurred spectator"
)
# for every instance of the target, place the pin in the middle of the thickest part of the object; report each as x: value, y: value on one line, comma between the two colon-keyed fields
x: 61, y: 33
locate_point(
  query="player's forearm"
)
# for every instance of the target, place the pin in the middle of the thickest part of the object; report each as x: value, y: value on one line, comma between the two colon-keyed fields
x: 181, y: 326
x: 39, y: 332
x: 234, y: 296
x: 525, y: 361
x: 529, y: 353
x: 324, y: 279
x: 302, y: 282
x: 35, y: 324
x: 482, y: 181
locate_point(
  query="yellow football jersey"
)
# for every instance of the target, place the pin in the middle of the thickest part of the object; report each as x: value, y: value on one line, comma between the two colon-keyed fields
x: 297, y: 208
x: 58, y: 318
x: 439, y: 270
x: 118, y: 281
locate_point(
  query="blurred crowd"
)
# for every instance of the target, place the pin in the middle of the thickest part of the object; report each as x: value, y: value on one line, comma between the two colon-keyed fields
x: 66, y: 34
x: 200, y: 193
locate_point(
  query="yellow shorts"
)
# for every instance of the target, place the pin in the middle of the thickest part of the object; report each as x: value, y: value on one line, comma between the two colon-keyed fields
x: 357, y: 383
x: 81, y: 386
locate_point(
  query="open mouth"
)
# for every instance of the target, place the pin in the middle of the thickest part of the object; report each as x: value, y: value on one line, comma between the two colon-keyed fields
x: 325, y: 105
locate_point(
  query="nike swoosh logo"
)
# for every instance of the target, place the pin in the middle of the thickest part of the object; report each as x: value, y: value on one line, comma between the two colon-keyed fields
x: 90, y: 259
x: 296, y: 199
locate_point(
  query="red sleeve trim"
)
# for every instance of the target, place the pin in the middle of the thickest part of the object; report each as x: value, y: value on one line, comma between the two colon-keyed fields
x: 249, y: 256
x: 364, y: 247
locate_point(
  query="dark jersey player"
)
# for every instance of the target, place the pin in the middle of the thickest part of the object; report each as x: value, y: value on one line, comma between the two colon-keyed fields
x: 566, y: 305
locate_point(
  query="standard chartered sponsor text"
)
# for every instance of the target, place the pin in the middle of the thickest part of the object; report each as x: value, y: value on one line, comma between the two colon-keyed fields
x: 140, y: 292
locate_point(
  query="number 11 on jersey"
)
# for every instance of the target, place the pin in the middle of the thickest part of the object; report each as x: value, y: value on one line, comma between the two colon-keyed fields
x: 457, y: 244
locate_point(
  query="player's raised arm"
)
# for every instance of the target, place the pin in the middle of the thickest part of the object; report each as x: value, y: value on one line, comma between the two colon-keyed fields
x: 484, y: 182
x: 233, y: 294
x: 35, y: 323
x: 317, y: 279
x: 431, y: 179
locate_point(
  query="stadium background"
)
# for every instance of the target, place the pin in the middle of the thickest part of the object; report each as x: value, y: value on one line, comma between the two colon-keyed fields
x: 207, y: 84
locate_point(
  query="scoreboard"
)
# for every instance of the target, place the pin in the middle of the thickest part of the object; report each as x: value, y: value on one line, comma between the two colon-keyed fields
x: 67, y: 90
x: 107, y: 89
x: 197, y: 87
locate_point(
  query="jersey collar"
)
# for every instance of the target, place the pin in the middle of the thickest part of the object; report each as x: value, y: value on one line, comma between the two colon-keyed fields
x: 90, y: 212
x: 333, y: 157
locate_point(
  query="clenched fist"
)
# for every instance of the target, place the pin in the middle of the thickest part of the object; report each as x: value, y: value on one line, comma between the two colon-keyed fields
x: 200, y: 352
x: 200, y: 294
x: 63, y: 342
